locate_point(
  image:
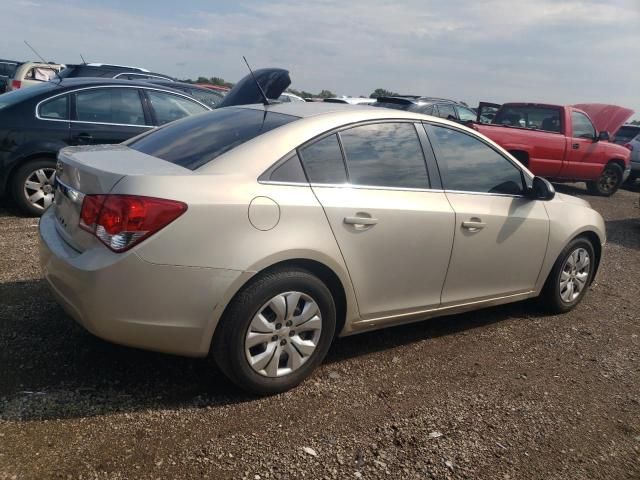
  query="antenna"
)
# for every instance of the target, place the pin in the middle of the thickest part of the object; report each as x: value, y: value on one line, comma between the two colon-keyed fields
x: 83, y: 60
x: 265, y: 100
x: 43, y: 60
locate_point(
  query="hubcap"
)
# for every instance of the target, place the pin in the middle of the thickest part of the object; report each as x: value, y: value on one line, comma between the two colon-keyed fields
x: 608, y: 180
x: 574, y: 275
x: 283, y: 334
x: 38, y: 188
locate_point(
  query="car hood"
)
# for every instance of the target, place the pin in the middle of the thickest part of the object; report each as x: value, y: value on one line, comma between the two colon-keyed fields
x: 273, y: 81
x: 606, y: 118
x: 572, y: 200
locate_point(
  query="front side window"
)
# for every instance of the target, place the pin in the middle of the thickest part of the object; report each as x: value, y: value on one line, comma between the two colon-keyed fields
x: 582, y: 126
x: 529, y: 116
x: 469, y: 165
x: 169, y: 107
x: 56, y: 109
x: 466, y: 114
x: 446, y: 111
x: 198, y: 140
x: 386, y: 155
x: 323, y: 162
x: 110, y: 105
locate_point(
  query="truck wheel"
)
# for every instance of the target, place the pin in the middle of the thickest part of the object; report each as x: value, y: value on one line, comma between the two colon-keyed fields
x: 32, y: 186
x: 608, y: 182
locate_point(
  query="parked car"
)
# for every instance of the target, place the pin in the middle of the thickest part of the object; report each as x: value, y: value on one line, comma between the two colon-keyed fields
x: 564, y: 143
x: 258, y: 233
x: 626, y: 133
x: 205, y: 95
x: 28, y: 74
x: 217, y: 88
x: 7, y: 71
x: 289, y: 97
x: 36, y: 122
x: 106, y: 70
x: 438, y: 107
x: 634, y: 146
x: 351, y: 100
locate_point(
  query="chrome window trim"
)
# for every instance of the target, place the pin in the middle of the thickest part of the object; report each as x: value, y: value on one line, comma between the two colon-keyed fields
x: 75, y: 196
x: 486, y: 193
x: 285, y: 184
x: 170, y: 92
x: 373, y: 187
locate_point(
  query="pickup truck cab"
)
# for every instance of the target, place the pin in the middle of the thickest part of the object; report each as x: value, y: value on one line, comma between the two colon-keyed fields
x: 562, y: 143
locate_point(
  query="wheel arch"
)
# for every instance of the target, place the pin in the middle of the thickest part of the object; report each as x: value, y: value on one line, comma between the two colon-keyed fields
x: 18, y: 162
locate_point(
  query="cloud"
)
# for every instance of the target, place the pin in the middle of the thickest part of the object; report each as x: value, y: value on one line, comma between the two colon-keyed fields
x: 539, y: 50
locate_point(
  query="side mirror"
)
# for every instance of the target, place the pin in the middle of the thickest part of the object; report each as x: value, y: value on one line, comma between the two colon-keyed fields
x: 603, y: 136
x: 541, y: 189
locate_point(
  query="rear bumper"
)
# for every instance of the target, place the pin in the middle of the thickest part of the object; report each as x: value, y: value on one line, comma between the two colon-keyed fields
x: 127, y: 300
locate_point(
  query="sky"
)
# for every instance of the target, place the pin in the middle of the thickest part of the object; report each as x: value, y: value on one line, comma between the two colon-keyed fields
x: 554, y: 51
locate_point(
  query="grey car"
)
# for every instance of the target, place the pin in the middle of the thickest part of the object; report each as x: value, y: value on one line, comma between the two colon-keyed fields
x: 258, y: 233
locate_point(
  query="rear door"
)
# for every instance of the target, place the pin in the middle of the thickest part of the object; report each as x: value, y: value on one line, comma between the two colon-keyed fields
x: 395, y: 233
x: 107, y: 115
x: 500, y: 235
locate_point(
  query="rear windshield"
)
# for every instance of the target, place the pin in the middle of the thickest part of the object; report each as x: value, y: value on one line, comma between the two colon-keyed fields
x: 7, y: 69
x: 197, y: 140
x: 395, y: 106
x: 529, y: 116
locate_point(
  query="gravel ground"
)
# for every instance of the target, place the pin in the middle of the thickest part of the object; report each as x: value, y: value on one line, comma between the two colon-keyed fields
x: 503, y: 393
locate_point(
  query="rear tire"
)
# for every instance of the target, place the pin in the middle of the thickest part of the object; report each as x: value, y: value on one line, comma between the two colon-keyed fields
x: 293, y: 345
x: 569, y: 273
x: 609, y: 181
x: 32, y: 186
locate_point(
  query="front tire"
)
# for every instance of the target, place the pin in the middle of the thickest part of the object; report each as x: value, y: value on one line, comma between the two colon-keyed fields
x: 32, y: 186
x: 570, y: 277
x: 609, y: 181
x: 275, y: 331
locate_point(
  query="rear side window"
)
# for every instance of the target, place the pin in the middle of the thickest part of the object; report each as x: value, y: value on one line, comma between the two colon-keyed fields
x: 529, y: 116
x: 385, y: 155
x: 323, y: 162
x: 55, y: 109
x: 468, y: 165
x: 110, y: 105
x: 446, y: 111
x: 197, y: 140
x: 209, y: 97
x: 170, y: 107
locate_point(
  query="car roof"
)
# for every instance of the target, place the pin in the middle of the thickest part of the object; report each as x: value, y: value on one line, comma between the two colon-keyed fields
x: 416, y: 100
x: 76, y: 82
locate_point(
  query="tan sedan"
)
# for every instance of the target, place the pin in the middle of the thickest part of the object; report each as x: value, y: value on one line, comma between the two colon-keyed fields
x: 259, y: 233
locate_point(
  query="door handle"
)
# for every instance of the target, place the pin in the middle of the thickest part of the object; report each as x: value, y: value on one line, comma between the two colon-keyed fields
x: 575, y: 146
x: 360, y: 220
x: 84, y: 137
x: 473, y: 225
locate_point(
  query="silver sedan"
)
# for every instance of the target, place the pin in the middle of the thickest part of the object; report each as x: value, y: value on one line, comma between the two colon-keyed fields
x: 257, y: 234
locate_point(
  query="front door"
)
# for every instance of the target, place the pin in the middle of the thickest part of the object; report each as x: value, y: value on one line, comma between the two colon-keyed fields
x: 107, y: 115
x: 500, y: 235
x: 394, y: 234
x: 583, y: 151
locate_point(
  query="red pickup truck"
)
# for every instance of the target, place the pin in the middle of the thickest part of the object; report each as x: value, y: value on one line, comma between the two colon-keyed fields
x: 562, y: 143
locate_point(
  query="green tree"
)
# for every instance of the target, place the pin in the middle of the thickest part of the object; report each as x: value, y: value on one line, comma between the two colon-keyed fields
x: 381, y: 92
x: 326, y: 94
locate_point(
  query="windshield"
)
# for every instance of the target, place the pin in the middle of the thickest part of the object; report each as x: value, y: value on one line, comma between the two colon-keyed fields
x: 16, y: 96
x: 197, y: 140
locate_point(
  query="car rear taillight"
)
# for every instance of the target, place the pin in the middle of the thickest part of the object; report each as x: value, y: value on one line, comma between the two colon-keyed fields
x: 629, y: 146
x: 122, y: 221
x: 15, y: 84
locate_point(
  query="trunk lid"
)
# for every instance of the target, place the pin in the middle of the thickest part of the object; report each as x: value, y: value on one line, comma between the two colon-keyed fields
x: 273, y: 81
x: 95, y: 170
x: 606, y: 118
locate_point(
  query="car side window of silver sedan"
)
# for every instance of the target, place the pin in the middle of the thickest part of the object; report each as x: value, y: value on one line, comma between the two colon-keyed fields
x: 385, y: 155
x: 469, y: 165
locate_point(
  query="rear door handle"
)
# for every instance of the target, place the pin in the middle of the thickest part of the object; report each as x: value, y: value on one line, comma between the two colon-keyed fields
x: 575, y: 146
x: 84, y: 137
x: 473, y: 225
x: 360, y: 220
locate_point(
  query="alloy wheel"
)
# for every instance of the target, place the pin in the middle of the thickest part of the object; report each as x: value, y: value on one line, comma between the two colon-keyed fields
x: 39, y: 186
x: 574, y: 274
x: 283, y: 334
x: 608, y: 180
